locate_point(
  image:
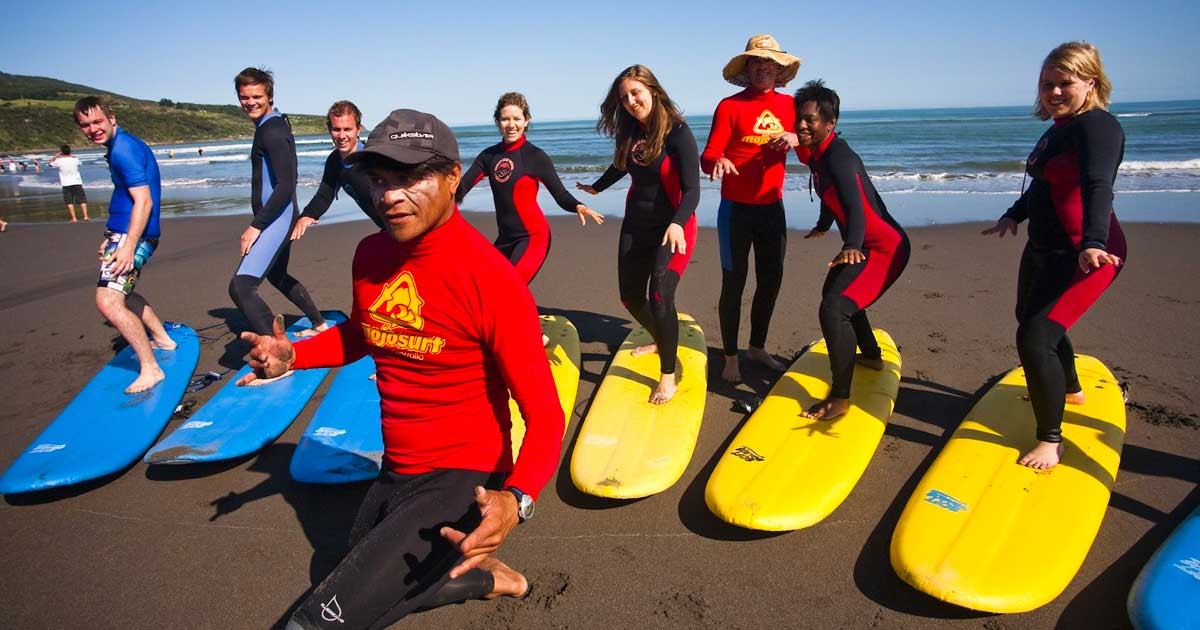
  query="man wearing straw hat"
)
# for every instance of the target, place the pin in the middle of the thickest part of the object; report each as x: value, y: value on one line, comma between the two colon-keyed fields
x: 747, y: 147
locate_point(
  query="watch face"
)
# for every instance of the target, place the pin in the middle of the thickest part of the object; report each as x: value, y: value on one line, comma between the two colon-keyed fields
x: 525, y: 507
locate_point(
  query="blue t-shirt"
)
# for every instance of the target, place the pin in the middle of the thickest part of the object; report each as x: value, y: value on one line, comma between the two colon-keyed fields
x: 132, y: 164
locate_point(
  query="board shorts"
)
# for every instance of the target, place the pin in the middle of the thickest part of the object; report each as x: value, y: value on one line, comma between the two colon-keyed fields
x: 74, y: 194
x: 128, y: 280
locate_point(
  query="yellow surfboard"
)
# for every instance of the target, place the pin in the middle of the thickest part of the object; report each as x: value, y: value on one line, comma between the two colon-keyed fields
x: 563, y: 353
x: 986, y: 533
x: 628, y: 448
x: 783, y: 471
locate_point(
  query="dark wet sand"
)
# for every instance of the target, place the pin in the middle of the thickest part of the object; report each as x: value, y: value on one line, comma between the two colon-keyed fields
x: 233, y: 545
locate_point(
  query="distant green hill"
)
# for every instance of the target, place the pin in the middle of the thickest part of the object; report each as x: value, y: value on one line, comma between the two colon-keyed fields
x: 35, y: 114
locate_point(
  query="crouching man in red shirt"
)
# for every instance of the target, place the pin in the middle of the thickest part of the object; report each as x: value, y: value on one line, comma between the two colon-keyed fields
x: 452, y: 330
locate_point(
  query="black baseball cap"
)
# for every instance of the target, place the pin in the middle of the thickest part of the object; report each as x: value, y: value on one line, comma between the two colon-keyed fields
x: 410, y: 137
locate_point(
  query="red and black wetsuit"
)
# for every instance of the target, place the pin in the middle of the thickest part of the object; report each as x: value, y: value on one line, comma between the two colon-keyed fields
x: 751, y: 214
x: 665, y: 190
x: 849, y: 197
x: 1070, y: 208
x: 452, y: 330
x: 514, y: 172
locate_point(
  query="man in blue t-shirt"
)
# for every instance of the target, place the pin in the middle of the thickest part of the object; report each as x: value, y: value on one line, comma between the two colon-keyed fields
x: 131, y: 236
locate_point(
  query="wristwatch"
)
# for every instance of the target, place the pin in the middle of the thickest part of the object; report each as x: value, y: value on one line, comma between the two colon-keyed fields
x: 524, y: 504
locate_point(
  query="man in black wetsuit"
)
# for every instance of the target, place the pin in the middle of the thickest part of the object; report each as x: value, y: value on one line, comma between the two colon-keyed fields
x: 344, y: 122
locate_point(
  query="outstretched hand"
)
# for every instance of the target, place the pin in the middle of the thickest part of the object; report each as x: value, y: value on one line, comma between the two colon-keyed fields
x: 1005, y: 224
x: 586, y: 213
x: 723, y: 166
x: 816, y: 233
x: 271, y: 356
x: 499, y: 510
x: 587, y: 188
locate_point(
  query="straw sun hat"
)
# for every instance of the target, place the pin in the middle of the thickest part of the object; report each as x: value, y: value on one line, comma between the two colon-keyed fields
x: 766, y: 47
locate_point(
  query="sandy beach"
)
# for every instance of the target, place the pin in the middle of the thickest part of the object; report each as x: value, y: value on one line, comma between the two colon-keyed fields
x: 234, y: 545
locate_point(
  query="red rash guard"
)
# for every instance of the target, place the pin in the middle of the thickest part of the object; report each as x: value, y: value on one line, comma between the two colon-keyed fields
x: 452, y: 329
x: 742, y: 124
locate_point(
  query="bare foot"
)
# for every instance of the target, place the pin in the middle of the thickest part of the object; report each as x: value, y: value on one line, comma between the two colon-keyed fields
x: 1043, y: 456
x: 874, y: 363
x: 762, y: 356
x: 3, y: 225
x: 732, y: 372
x: 1076, y: 398
x: 163, y: 344
x: 259, y: 382
x: 647, y: 349
x: 146, y: 380
x: 545, y: 341
x: 312, y: 332
x: 74, y: 220
x: 665, y: 390
x: 508, y: 582
x: 828, y: 409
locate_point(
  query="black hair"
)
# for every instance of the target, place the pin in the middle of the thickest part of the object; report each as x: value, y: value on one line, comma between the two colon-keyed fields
x: 826, y: 99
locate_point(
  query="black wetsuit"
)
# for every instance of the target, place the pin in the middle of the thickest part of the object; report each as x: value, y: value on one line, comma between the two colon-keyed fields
x: 338, y: 175
x: 273, y: 199
x: 1069, y: 205
x: 848, y: 197
x: 514, y: 172
x: 665, y: 190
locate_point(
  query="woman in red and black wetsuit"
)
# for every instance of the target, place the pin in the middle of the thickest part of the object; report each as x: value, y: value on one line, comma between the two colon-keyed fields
x: 874, y: 247
x: 1075, y: 246
x: 514, y: 167
x: 656, y: 147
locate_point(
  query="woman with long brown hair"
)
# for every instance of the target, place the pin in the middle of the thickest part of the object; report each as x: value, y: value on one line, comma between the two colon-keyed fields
x: 657, y: 149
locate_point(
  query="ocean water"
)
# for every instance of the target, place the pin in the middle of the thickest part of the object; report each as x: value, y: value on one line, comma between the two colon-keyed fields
x: 931, y: 165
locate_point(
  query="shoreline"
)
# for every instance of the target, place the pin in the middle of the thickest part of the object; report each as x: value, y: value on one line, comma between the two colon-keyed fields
x: 241, y: 540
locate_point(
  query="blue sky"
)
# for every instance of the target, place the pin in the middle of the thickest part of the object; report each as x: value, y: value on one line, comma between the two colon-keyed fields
x: 454, y: 59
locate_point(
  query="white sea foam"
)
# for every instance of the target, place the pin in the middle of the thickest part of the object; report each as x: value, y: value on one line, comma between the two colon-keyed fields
x: 1135, y: 115
x: 1162, y: 165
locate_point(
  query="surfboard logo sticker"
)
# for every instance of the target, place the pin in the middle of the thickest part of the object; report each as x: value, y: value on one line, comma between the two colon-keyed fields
x: 1190, y: 566
x: 329, y: 432
x: 47, y: 448
x: 194, y: 424
x: 399, y: 304
x: 332, y: 611
x: 746, y: 453
x: 943, y: 500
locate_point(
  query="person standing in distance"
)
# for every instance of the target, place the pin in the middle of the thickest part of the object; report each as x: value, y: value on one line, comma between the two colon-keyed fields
x: 71, y: 181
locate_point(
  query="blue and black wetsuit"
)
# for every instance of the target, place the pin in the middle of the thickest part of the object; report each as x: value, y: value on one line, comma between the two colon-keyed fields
x: 338, y: 175
x: 665, y: 190
x: 514, y: 172
x: 273, y: 199
x: 1070, y: 208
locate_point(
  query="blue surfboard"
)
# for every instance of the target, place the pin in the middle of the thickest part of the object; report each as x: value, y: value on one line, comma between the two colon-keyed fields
x: 343, y: 443
x: 103, y: 429
x: 240, y: 420
x: 1165, y: 594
